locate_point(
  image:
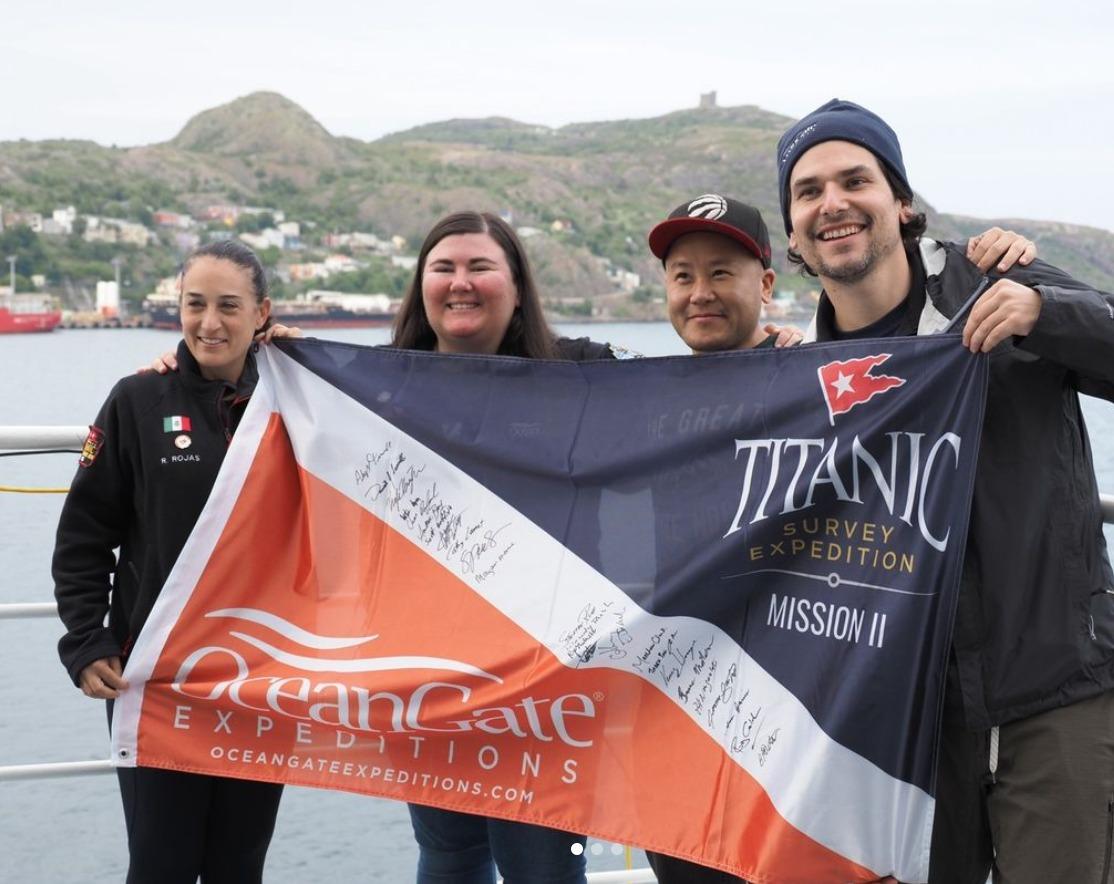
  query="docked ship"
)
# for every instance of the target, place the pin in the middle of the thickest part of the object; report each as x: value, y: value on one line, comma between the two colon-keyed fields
x: 28, y: 313
x: 314, y: 309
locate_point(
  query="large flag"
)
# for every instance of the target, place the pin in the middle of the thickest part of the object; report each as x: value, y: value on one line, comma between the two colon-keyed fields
x: 699, y: 605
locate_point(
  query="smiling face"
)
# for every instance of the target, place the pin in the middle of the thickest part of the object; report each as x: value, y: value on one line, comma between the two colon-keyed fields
x: 469, y: 293
x: 715, y: 290
x: 846, y: 220
x: 220, y: 315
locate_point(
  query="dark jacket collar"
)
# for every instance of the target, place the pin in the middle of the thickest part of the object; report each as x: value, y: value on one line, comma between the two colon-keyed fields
x: 190, y: 373
x: 825, y: 311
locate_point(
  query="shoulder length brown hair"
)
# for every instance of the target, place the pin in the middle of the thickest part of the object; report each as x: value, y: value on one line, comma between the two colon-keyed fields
x: 528, y: 333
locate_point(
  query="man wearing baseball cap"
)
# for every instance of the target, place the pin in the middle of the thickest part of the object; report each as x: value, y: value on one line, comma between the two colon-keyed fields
x: 716, y: 255
x: 1025, y: 780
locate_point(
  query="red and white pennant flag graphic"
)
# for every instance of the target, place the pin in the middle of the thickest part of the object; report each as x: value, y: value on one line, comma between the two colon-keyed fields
x: 849, y: 383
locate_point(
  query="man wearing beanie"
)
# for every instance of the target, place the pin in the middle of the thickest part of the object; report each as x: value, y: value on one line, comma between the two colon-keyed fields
x: 715, y: 253
x: 1025, y: 780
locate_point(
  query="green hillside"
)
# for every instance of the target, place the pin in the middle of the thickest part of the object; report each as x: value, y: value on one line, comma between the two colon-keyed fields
x: 606, y: 183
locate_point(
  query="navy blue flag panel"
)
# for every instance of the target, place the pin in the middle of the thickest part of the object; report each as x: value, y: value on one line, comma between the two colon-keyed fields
x: 811, y: 502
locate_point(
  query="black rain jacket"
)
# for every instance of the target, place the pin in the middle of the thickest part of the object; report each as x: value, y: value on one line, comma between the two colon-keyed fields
x: 1035, y: 625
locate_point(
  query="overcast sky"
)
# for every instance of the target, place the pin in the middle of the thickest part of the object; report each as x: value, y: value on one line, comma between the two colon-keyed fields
x: 1003, y: 109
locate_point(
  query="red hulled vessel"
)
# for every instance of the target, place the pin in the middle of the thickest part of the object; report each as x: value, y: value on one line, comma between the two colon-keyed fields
x: 28, y: 313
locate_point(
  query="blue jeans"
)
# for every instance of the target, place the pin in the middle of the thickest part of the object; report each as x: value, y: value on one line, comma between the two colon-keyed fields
x: 461, y: 848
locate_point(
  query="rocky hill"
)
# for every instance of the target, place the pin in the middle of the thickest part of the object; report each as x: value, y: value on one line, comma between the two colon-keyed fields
x: 605, y: 184
x: 261, y: 126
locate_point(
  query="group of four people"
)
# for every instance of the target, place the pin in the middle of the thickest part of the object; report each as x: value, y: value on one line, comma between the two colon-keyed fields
x: 1026, y: 742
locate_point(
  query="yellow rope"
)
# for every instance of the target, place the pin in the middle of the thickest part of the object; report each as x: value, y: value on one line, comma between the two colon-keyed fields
x: 627, y: 851
x: 16, y: 489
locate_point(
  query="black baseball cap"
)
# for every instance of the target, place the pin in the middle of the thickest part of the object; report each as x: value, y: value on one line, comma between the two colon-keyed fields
x: 715, y: 214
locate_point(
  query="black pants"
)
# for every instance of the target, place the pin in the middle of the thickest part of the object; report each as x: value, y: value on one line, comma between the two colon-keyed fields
x: 670, y: 870
x: 184, y: 825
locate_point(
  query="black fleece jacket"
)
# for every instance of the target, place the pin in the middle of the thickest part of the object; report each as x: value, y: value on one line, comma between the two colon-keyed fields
x: 139, y: 488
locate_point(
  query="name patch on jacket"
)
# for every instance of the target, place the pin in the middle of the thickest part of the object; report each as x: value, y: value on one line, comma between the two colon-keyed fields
x: 181, y: 458
x: 91, y: 447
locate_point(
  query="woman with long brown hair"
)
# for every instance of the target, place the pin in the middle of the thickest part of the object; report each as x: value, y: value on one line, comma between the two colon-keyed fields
x: 473, y: 292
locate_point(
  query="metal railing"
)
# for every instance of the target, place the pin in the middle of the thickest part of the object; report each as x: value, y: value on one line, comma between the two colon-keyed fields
x: 42, y: 439
x: 54, y: 769
x: 28, y: 610
x: 16, y: 441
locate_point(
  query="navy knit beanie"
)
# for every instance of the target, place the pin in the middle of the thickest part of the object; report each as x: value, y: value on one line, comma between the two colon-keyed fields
x: 836, y: 121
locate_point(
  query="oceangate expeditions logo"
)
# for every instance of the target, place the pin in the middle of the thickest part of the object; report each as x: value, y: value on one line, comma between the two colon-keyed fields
x: 361, y: 707
x: 710, y: 206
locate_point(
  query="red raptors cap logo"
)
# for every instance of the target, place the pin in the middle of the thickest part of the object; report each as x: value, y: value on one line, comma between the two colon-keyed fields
x: 849, y: 383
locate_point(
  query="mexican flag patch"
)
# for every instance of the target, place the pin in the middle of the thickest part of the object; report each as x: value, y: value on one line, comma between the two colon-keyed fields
x: 177, y: 423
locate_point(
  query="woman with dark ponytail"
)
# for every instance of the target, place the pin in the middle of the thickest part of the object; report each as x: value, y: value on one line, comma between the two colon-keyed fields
x: 145, y: 473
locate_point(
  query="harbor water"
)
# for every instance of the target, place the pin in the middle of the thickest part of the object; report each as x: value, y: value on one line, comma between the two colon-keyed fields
x: 71, y: 830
